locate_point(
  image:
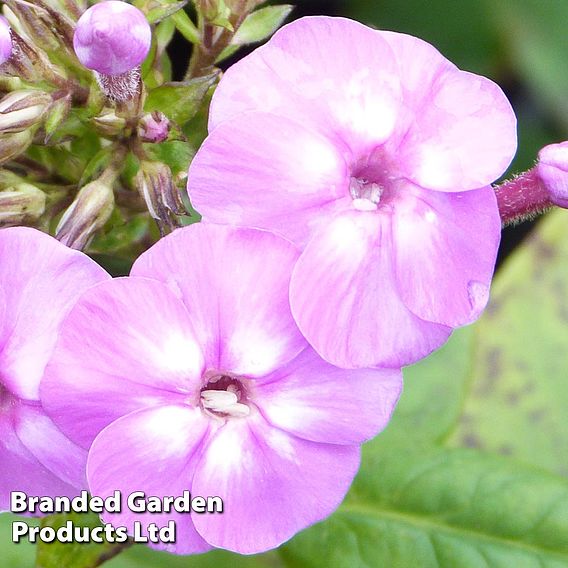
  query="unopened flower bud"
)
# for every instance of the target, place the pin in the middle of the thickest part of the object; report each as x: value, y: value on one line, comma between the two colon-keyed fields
x: 552, y: 168
x: 21, y: 109
x: 112, y: 38
x: 5, y: 40
x: 20, y: 203
x: 242, y: 7
x: 12, y: 145
x: 89, y: 212
x: 209, y: 9
x: 109, y: 124
x: 155, y: 183
x: 154, y: 127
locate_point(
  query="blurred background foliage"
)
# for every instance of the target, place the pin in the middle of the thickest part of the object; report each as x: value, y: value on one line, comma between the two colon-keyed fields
x: 473, y: 469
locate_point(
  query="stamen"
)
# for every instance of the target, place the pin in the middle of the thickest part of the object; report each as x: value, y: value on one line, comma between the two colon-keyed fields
x: 223, y: 397
x: 218, y: 400
x: 366, y: 194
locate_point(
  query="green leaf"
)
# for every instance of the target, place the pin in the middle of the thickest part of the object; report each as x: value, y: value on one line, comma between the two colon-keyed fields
x: 519, y: 392
x: 258, y: 26
x: 186, y: 27
x: 177, y: 155
x: 164, y: 11
x: 143, y: 557
x: 59, y: 161
x: 74, y: 554
x: 261, y: 24
x: 180, y: 101
x: 433, y: 395
x: 441, y: 509
x: 96, y: 165
x: 19, y: 555
x: 87, y: 145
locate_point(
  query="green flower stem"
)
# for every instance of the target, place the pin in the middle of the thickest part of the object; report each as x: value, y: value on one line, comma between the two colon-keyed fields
x: 212, y: 44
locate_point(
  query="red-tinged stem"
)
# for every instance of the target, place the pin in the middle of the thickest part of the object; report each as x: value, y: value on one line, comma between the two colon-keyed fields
x: 522, y: 198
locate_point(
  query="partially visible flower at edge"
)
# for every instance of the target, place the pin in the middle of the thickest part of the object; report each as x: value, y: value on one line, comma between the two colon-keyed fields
x: 5, y: 40
x: 533, y: 192
x: 375, y: 154
x: 552, y: 168
x: 197, y: 378
x: 39, y: 280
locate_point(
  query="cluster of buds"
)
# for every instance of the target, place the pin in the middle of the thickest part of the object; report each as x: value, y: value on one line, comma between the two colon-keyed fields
x: 94, y: 134
x: 66, y: 73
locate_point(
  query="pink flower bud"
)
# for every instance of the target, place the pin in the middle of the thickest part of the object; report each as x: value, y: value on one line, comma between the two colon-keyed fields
x: 552, y: 169
x: 112, y: 38
x: 154, y: 127
x: 5, y: 40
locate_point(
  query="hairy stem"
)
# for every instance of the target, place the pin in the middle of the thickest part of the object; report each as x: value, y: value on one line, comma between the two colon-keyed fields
x: 522, y: 198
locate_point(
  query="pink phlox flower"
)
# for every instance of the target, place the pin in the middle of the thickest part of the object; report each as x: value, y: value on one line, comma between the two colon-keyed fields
x: 191, y: 374
x: 375, y: 155
x: 39, y: 281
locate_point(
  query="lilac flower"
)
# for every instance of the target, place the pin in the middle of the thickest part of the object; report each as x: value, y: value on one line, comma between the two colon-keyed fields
x: 39, y: 280
x: 112, y: 38
x: 373, y: 153
x: 192, y: 375
x: 5, y: 40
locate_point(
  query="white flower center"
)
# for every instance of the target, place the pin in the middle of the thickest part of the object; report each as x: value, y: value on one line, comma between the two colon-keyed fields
x: 366, y: 194
x: 224, y: 397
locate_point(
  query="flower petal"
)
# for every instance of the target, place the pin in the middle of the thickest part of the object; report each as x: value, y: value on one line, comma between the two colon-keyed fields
x: 49, y: 446
x: 322, y: 403
x: 446, y: 248
x: 348, y: 87
x: 234, y: 283
x: 21, y: 471
x: 155, y: 451
x: 41, y: 279
x: 280, y: 176
x: 345, y: 299
x: 459, y: 132
x: 127, y: 344
x: 272, y: 484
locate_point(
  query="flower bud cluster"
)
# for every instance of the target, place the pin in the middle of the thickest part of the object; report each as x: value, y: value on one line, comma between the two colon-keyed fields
x: 74, y: 70
x: 98, y: 51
